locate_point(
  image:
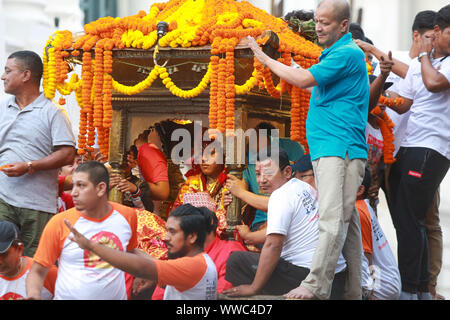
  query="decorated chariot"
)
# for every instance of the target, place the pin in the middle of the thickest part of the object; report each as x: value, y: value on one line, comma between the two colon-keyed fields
x: 185, y: 60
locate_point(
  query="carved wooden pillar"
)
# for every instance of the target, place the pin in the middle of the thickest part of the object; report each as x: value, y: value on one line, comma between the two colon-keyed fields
x: 234, y: 209
x: 235, y: 166
x: 116, y: 148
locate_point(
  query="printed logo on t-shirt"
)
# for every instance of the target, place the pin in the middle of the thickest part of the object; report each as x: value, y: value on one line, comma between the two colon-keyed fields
x: 377, y: 231
x: 91, y: 260
x: 11, y: 296
x: 308, y: 202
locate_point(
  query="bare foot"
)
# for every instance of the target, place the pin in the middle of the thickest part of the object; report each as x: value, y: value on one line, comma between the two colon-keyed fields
x: 434, y: 294
x: 300, y: 293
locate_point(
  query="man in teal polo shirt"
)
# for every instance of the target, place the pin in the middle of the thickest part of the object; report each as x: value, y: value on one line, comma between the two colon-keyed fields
x: 335, y: 131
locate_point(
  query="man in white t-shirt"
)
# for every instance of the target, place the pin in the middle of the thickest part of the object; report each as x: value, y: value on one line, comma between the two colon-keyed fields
x: 291, y: 237
x: 380, y: 275
x: 423, y: 27
x: 424, y: 156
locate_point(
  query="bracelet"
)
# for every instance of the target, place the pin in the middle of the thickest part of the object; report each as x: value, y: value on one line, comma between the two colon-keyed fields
x: 137, y: 193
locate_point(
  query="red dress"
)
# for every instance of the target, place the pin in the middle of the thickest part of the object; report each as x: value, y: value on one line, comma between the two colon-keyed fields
x: 197, y: 182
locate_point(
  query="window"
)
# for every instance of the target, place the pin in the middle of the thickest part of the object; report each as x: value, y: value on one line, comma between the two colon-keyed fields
x: 94, y: 9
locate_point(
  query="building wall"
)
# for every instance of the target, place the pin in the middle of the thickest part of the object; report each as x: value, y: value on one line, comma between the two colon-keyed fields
x: 40, y: 17
x: 393, y: 18
x: 2, y: 44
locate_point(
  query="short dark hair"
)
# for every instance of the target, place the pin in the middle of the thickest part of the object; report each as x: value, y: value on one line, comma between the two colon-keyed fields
x: 442, y: 19
x: 30, y: 61
x: 97, y: 172
x: 194, y: 220
x: 134, y: 151
x: 369, y: 41
x: 424, y: 21
x: 212, y: 220
x: 356, y: 31
x: 265, y: 126
x: 279, y: 155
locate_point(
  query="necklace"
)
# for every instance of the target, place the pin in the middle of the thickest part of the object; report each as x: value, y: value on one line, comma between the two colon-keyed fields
x: 19, y: 269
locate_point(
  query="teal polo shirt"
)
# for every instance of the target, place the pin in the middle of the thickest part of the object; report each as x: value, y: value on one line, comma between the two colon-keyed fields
x: 338, y: 109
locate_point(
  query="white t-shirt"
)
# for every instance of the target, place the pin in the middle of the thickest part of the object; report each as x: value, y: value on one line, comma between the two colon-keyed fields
x: 293, y: 212
x: 188, y: 278
x: 83, y: 275
x: 15, y: 288
x: 429, y: 123
x: 400, y: 120
x: 386, y: 282
x: 404, y: 57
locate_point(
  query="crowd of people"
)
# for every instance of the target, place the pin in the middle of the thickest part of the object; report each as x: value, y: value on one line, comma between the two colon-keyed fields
x: 309, y: 227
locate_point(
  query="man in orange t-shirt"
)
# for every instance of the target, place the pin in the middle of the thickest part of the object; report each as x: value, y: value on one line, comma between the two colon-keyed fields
x: 189, y: 274
x: 218, y: 250
x: 81, y: 274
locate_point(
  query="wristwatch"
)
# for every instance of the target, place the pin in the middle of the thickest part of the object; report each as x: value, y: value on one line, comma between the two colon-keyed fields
x: 421, y: 55
x: 30, y: 167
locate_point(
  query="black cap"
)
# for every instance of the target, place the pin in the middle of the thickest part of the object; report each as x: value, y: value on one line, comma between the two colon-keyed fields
x: 303, y: 164
x: 8, y: 233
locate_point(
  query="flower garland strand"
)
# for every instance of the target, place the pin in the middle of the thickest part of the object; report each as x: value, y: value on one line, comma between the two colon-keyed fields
x: 213, y: 92
x: 221, y: 23
x: 391, y: 102
x: 229, y: 86
x: 386, y: 127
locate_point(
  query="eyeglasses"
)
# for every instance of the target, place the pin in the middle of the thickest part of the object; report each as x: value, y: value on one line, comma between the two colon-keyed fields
x: 306, y: 175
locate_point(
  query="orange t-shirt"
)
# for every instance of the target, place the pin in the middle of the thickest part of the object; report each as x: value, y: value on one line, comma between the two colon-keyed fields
x: 82, y: 275
x: 188, y: 278
x: 366, y: 226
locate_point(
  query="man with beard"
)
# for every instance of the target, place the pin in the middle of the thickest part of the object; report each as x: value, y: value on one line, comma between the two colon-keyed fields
x: 189, y: 274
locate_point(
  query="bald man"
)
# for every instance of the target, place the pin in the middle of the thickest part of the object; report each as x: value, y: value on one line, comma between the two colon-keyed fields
x: 335, y: 127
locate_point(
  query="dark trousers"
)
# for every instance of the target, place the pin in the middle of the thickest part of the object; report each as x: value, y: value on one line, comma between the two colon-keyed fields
x: 413, y: 181
x: 242, y: 266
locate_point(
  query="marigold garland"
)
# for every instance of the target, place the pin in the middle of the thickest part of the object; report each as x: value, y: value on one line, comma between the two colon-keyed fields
x: 391, y: 102
x: 221, y: 23
x: 369, y: 67
x: 386, y: 127
x: 213, y: 91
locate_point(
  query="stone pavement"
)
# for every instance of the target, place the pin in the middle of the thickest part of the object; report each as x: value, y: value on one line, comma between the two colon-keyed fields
x: 384, y: 218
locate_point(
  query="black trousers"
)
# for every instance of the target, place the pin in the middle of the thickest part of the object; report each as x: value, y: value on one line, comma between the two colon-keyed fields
x: 413, y: 181
x: 242, y: 266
